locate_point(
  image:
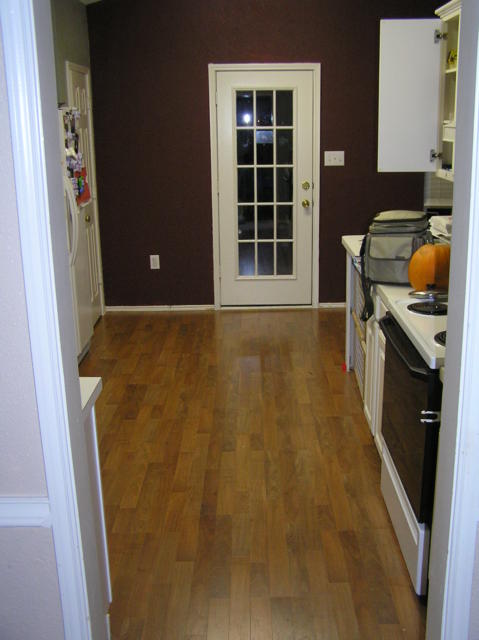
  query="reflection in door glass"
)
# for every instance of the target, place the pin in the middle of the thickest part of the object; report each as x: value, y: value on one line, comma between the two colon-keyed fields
x: 284, y: 108
x: 284, y: 258
x: 284, y: 222
x: 245, y: 185
x: 265, y: 259
x: 244, y: 108
x: 265, y: 152
x: 284, y: 146
x: 246, y: 258
x: 245, y: 222
x: 265, y: 185
x: 266, y: 222
x: 244, y: 146
x: 284, y: 184
x: 264, y: 147
x: 264, y: 108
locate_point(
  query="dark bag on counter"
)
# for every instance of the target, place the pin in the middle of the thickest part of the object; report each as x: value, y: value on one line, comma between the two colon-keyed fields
x: 386, y: 250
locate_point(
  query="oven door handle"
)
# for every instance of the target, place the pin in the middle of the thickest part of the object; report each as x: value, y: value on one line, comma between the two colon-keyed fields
x: 387, y: 325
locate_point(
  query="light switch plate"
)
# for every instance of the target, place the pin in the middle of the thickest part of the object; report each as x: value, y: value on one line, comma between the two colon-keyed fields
x: 154, y: 262
x: 334, y: 158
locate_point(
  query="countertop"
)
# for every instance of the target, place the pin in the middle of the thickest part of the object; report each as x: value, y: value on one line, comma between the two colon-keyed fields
x: 352, y: 244
x: 420, y: 329
x: 90, y: 388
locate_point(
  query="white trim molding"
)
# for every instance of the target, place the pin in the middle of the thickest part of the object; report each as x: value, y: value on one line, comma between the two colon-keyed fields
x: 159, y: 308
x: 213, y: 69
x: 18, y: 511
x: 332, y: 305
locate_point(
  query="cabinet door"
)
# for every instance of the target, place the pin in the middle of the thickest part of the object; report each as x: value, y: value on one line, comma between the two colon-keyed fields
x: 409, y: 95
x: 370, y: 377
x: 380, y: 362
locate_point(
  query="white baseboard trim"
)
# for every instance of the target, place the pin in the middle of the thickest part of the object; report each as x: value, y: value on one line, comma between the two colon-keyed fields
x: 211, y: 307
x: 332, y: 305
x: 154, y: 308
x: 24, y: 512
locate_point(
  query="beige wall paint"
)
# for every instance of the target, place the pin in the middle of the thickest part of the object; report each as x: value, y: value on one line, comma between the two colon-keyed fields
x: 21, y: 457
x: 70, y: 38
x: 29, y: 593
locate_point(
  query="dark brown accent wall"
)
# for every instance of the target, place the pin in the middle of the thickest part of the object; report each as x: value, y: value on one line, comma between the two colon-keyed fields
x: 149, y: 64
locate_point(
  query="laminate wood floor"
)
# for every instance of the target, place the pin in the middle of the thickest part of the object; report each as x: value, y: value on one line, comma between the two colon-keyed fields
x: 241, y: 483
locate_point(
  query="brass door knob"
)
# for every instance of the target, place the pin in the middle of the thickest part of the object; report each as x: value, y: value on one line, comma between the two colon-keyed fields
x: 87, y: 218
x: 305, y: 203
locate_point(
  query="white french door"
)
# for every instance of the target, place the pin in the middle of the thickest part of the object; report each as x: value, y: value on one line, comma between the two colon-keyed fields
x: 265, y: 171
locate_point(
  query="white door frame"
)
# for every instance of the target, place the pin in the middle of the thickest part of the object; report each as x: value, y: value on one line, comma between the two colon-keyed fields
x: 454, y: 536
x: 213, y: 69
x: 30, y: 76
x: 69, y: 67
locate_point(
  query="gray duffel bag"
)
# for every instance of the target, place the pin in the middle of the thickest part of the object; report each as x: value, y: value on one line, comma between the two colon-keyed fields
x: 386, y: 250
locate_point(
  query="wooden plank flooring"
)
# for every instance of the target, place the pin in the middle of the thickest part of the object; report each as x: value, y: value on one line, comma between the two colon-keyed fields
x: 241, y: 483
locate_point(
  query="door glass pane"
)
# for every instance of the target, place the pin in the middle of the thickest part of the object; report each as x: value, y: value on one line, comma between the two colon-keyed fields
x: 245, y: 222
x: 284, y: 108
x: 264, y: 108
x: 264, y: 147
x: 266, y: 222
x: 244, y: 108
x: 265, y: 259
x: 284, y: 222
x: 265, y: 185
x: 245, y: 185
x: 284, y: 258
x: 246, y: 258
x: 244, y: 146
x: 284, y: 184
x: 284, y: 146
x: 265, y: 140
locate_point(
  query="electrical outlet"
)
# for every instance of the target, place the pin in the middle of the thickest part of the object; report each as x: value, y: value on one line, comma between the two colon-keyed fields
x: 154, y: 262
x: 334, y: 158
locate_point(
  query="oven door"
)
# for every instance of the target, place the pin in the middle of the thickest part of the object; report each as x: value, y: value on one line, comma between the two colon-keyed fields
x: 410, y: 424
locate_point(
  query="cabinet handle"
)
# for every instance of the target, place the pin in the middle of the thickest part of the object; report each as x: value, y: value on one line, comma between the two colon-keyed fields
x: 430, y: 417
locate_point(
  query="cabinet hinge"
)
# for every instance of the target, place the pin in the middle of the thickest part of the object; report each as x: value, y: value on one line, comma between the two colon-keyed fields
x: 434, y: 155
x: 439, y: 35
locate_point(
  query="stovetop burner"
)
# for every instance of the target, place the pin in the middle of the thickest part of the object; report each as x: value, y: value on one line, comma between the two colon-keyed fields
x: 429, y: 308
x: 440, y: 338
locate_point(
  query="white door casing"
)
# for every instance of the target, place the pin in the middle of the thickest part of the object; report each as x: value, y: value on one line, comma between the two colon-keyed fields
x: 291, y: 274
x: 79, y: 96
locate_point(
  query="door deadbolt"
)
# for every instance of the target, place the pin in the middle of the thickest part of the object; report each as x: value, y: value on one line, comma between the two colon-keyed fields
x: 305, y: 185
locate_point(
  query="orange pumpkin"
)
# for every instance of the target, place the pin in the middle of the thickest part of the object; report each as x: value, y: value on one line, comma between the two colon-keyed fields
x: 429, y: 267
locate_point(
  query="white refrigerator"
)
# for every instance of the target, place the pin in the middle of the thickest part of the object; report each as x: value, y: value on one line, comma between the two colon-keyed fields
x: 77, y: 196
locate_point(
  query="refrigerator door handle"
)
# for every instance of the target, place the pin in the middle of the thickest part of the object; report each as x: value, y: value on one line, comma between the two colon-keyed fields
x: 74, y: 216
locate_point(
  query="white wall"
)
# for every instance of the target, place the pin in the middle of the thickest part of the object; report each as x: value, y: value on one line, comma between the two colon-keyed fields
x: 29, y: 591
x: 21, y: 460
x: 474, y: 621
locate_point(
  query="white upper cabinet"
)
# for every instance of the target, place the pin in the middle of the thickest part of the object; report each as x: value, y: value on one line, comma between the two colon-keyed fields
x: 417, y: 93
x: 409, y: 95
